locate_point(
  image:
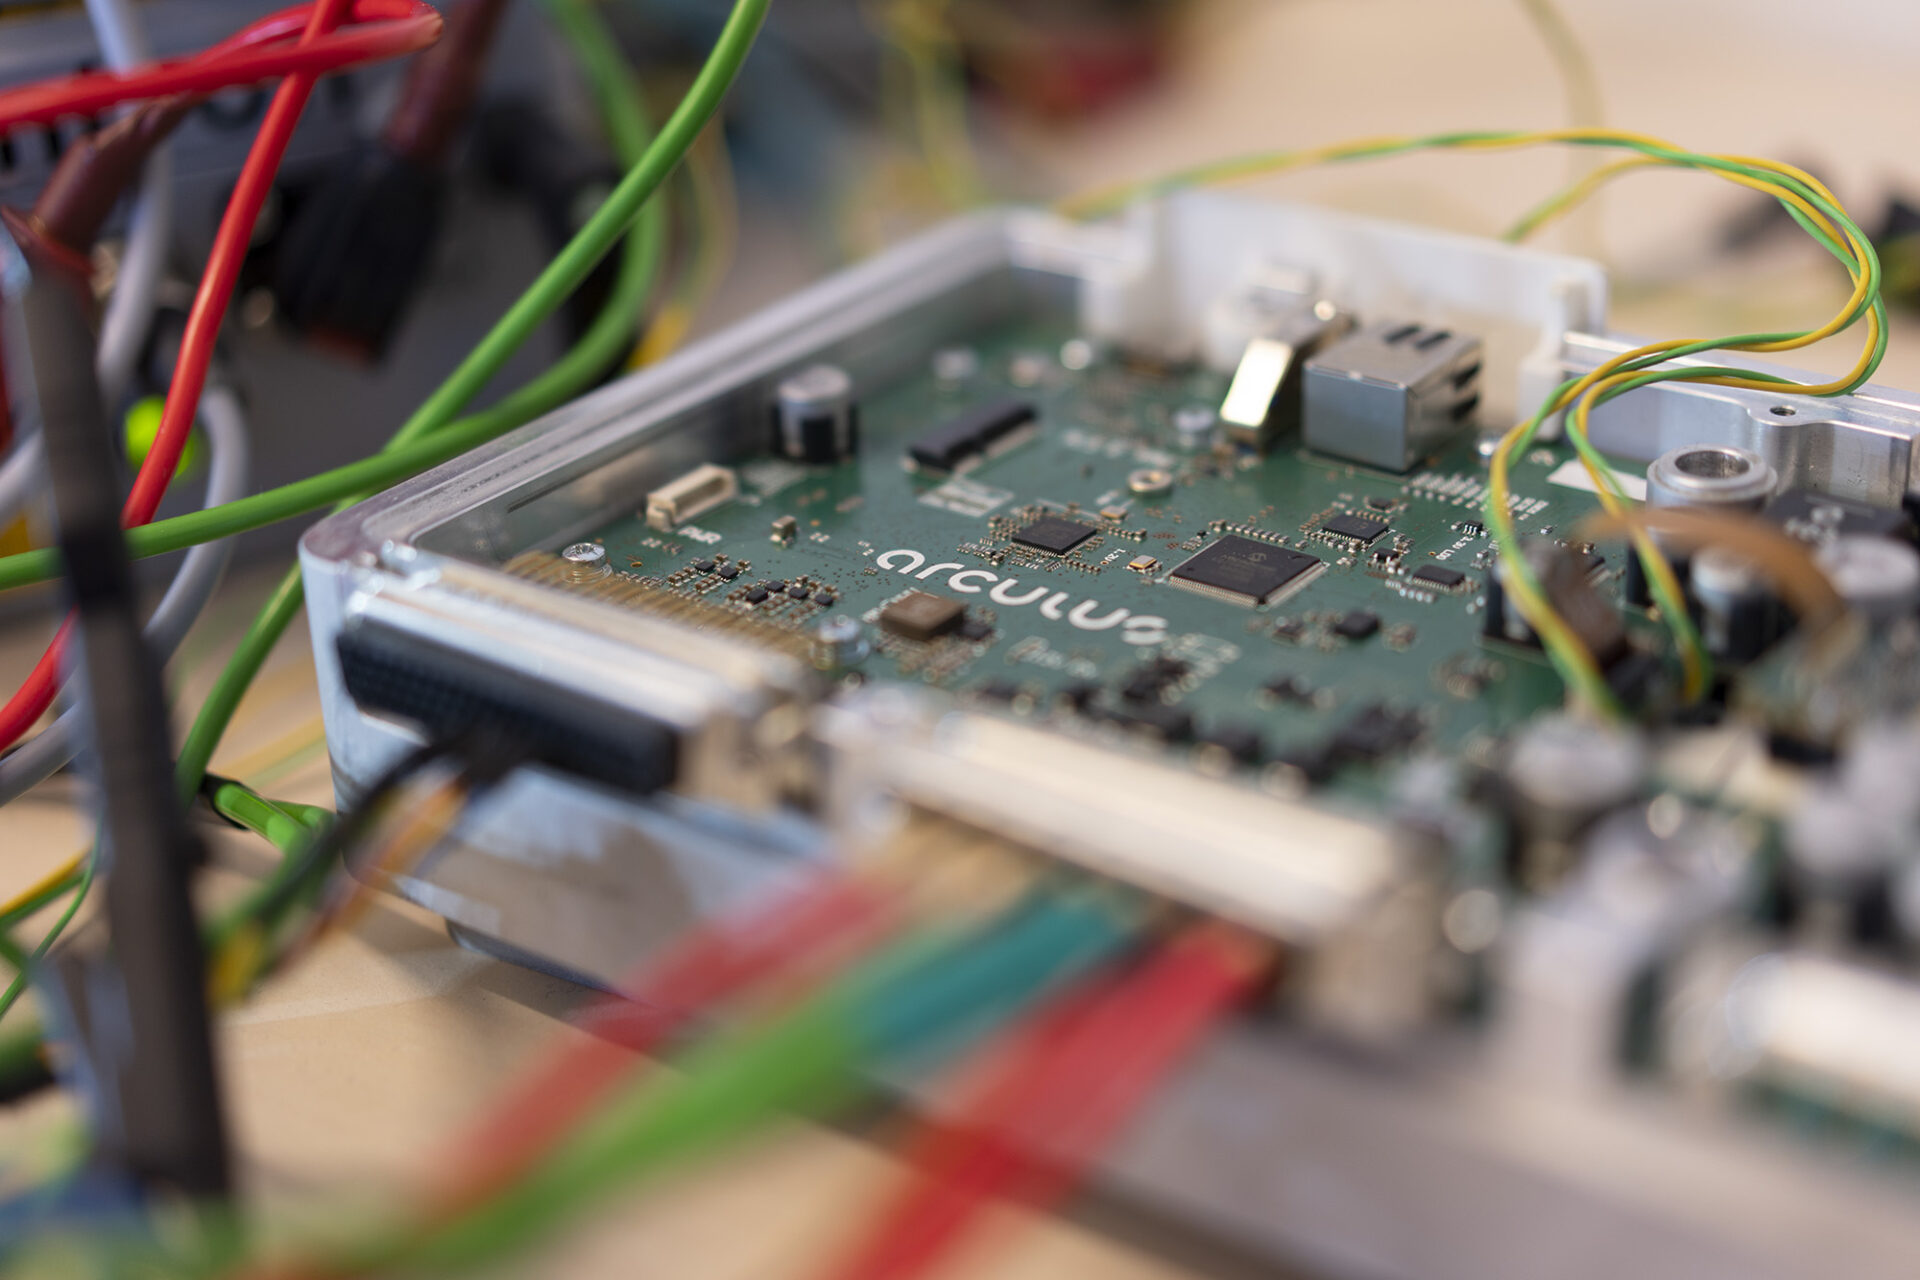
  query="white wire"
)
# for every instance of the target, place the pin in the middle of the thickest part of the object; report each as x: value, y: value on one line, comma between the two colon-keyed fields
x: 124, y: 45
x: 224, y: 425
x: 136, y: 287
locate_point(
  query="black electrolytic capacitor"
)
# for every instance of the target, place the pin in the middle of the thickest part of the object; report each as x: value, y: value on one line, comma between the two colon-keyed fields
x: 815, y: 418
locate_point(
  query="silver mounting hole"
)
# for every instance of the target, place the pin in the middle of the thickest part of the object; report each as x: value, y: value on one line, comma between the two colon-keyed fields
x: 1712, y: 464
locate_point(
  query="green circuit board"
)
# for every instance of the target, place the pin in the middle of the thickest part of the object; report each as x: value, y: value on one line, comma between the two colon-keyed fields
x: 1104, y: 631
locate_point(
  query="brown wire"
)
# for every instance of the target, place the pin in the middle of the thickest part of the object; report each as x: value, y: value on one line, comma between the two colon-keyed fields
x: 96, y: 171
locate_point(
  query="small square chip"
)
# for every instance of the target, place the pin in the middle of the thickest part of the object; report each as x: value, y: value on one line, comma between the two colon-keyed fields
x: 1243, y: 571
x: 1357, y: 624
x: 1054, y: 534
x: 1438, y: 575
x: 920, y: 615
x: 1360, y: 529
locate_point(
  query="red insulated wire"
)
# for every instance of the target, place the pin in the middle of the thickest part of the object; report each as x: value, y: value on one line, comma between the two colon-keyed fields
x: 1045, y: 1106
x: 821, y: 924
x: 382, y: 29
x: 224, y: 260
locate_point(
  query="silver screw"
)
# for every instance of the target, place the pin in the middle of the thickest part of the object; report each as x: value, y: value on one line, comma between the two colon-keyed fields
x: 841, y: 642
x: 585, y: 560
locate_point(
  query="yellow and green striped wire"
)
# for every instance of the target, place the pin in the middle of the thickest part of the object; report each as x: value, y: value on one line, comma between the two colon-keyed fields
x: 1807, y: 200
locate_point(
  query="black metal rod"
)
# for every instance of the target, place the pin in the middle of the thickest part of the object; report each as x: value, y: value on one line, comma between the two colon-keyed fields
x: 147, y: 1041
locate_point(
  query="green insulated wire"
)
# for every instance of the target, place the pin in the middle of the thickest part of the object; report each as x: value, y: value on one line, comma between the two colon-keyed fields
x: 915, y: 999
x: 17, y: 988
x: 285, y: 825
x: 430, y: 437
x: 631, y: 199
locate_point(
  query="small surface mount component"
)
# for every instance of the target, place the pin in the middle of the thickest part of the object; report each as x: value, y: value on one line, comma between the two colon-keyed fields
x: 1374, y: 731
x: 700, y: 490
x: 1054, y: 534
x: 1354, y: 528
x: 1390, y: 394
x: 1438, y: 577
x: 1246, y: 572
x: 1357, y: 624
x: 977, y: 433
x: 1239, y: 742
x: 922, y: 616
x: 785, y: 529
x: 1143, y: 564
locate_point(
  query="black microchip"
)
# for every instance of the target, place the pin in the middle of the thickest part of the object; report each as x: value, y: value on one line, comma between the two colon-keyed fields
x: 1240, y: 741
x: 798, y: 592
x: 1313, y: 761
x: 778, y: 584
x: 1375, y: 731
x: 920, y: 615
x: 1153, y: 679
x: 1290, y: 629
x: 728, y: 571
x: 1472, y: 528
x: 757, y: 596
x: 975, y: 629
x: 1080, y: 694
x: 997, y: 690
x: 704, y: 566
x: 969, y: 435
x: 1438, y: 575
x: 1054, y: 534
x: 1361, y: 529
x: 1357, y: 624
x: 825, y: 597
x: 1381, y: 504
x: 1289, y: 689
x: 1242, y: 570
x: 1171, y: 723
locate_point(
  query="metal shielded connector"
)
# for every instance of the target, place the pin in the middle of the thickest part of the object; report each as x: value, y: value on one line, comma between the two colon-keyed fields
x: 1391, y: 394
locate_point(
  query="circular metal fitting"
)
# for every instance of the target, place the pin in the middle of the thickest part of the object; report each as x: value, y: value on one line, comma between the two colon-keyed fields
x: 815, y: 419
x: 586, y: 561
x: 1877, y: 576
x: 1710, y: 475
x: 841, y: 642
x: 1564, y: 771
x: 1150, y: 482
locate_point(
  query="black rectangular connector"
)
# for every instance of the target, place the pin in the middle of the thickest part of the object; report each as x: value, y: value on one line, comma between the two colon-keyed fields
x: 973, y: 433
x: 447, y: 693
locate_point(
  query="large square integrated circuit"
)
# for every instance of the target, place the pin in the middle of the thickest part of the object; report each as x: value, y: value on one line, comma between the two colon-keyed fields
x: 1054, y: 534
x: 1245, y: 571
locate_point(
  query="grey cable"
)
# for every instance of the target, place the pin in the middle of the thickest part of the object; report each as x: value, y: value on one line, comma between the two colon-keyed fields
x: 136, y: 286
x: 225, y: 426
